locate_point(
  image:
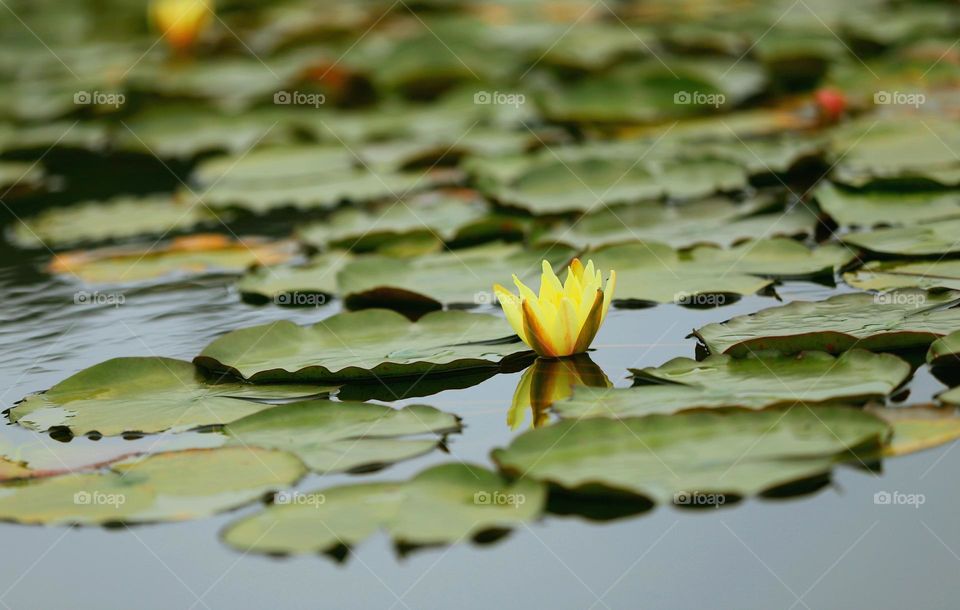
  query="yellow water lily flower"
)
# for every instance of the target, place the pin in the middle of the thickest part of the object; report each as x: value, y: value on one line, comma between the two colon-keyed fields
x: 564, y: 318
x: 181, y: 21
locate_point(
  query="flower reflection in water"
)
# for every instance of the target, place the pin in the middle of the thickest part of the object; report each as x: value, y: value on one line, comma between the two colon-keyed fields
x: 548, y: 381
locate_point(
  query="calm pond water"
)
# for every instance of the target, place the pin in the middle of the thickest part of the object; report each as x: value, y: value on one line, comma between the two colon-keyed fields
x: 831, y: 548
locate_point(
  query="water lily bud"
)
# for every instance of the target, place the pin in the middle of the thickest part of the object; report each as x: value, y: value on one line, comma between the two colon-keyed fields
x: 831, y: 104
x: 562, y: 319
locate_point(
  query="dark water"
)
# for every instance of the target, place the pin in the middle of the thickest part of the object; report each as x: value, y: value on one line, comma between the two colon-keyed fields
x: 833, y: 548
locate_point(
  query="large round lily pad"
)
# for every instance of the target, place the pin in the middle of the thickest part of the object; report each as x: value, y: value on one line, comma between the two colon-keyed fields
x: 309, y: 284
x: 654, y: 272
x: 181, y: 257
x: 895, y: 320
x: 867, y: 209
x: 918, y: 427
x: 721, y: 451
x: 453, y: 277
x: 758, y: 381
x: 338, y: 436
x: 371, y: 344
x: 173, y: 486
x: 117, y: 218
x: 886, y: 275
x: 147, y: 395
x: 915, y: 240
x: 441, y: 505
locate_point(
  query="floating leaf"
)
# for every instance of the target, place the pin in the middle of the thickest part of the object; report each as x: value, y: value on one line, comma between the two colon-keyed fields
x: 682, y: 226
x: 663, y: 456
x: 455, y: 277
x: 13, y: 470
x: 654, y: 272
x: 369, y: 344
x: 450, y: 218
x: 341, y: 436
x: 117, y: 218
x: 915, y: 240
x: 886, y: 275
x: 183, y: 256
x: 945, y: 351
x: 867, y: 209
x: 917, y: 428
x: 172, y: 486
x: 756, y: 382
x: 306, y: 285
x: 147, y: 395
x: 896, y: 320
x: 440, y: 505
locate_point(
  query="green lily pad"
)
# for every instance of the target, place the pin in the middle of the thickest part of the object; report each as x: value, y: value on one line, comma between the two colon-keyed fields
x: 306, y: 285
x: 897, y: 149
x: 886, y: 275
x: 371, y: 344
x: 654, y: 272
x: 454, y: 277
x: 440, y: 505
x: 682, y: 226
x: 10, y: 470
x: 896, y: 320
x: 945, y: 351
x: 450, y: 218
x: 181, y: 257
x: 663, y: 457
x: 756, y: 382
x: 117, y: 218
x: 917, y: 428
x: 342, y: 436
x: 915, y: 240
x: 172, y: 486
x: 147, y: 395
x: 552, y: 186
x: 850, y: 208
x: 15, y: 176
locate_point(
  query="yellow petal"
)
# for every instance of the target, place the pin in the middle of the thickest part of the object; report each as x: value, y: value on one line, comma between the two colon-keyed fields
x: 608, y: 294
x: 591, y: 325
x: 576, y: 268
x: 511, y: 308
x: 550, y: 287
x: 537, y: 336
x: 569, y: 327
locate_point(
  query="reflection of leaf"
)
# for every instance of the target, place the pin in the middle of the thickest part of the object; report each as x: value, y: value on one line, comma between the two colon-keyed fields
x: 758, y: 381
x: 654, y: 272
x: 550, y: 381
x: 114, y: 219
x: 443, y: 504
x: 658, y: 456
x: 370, y: 344
x: 191, y: 255
x: 172, y: 486
x: 460, y: 276
x: 339, y: 436
x: 146, y: 395
x: 896, y: 320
